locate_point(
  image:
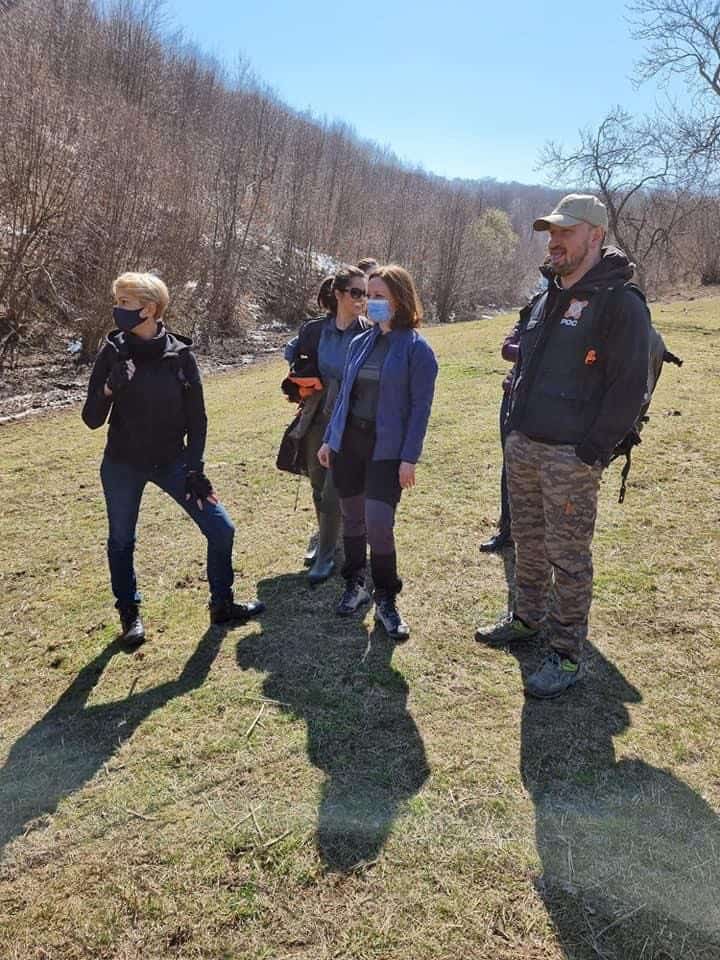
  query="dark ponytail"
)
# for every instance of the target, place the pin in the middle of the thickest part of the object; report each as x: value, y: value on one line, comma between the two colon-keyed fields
x: 326, y: 299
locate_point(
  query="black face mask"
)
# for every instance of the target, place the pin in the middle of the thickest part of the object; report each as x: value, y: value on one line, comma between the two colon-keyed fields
x: 127, y: 319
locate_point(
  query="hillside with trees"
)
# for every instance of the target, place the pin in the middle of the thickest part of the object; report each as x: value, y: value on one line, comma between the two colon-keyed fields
x: 124, y: 146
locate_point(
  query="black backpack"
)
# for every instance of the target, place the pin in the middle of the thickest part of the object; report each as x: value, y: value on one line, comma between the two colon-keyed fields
x: 659, y: 355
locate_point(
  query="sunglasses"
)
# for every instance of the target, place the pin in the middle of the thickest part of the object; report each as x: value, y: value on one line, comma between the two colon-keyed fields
x: 356, y: 293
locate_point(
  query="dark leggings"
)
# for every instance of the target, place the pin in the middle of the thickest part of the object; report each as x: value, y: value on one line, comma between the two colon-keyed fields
x: 369, y: 492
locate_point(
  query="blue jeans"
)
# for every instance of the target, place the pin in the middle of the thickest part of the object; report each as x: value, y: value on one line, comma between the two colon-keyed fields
x: 123, y: 485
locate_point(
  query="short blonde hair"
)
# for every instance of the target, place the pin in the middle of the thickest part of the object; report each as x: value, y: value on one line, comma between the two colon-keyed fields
x: 147, y: 287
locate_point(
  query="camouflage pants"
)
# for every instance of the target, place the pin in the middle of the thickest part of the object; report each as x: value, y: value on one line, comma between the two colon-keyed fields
x: 553, y: 503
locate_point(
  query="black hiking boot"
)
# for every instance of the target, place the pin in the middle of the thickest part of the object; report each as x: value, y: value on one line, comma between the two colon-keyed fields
x: 497, y: 542
x: 229, y: 611
x: 133, y: 631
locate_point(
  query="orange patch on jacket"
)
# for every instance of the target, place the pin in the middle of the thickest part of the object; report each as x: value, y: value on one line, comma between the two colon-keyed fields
x: 307, y: 385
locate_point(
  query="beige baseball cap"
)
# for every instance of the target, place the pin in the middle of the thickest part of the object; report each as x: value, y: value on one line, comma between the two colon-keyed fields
x: 573, y: 209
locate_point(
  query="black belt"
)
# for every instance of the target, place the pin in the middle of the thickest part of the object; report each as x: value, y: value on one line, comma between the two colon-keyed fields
x: 366, y: 426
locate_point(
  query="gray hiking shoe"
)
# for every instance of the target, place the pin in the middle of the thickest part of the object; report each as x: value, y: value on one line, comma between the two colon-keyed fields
x: 387, y: 613
x: 510, y: 629
x: 353, y: 598
x: 554, y: 676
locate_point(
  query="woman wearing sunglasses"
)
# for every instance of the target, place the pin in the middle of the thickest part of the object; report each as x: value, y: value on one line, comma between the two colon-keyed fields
x: 322, y: 344
x: 375, y: 437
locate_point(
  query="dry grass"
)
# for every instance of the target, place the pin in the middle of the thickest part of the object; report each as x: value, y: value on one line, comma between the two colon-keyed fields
x: 301, y: 789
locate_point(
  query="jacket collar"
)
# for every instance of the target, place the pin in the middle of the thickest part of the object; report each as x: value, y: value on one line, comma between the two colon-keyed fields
x: 613, y: 269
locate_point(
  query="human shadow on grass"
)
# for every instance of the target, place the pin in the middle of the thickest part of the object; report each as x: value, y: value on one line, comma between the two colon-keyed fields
x: 67, y: 746
x: 339, y: 679
x: 630, y: 854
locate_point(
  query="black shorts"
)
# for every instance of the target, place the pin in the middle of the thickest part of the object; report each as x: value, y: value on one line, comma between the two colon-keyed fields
x: 355, y: 472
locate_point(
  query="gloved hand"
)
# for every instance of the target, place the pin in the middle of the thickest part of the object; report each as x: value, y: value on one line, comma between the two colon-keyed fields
x: 120, y: 376
x: 199, y: 488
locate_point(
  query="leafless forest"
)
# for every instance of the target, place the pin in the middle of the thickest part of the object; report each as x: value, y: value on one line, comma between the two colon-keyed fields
x: 123, y: 146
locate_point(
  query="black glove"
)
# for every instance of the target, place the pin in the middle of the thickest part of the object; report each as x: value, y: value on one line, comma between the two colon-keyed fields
x: 197, y: 486
x: 120, y: 376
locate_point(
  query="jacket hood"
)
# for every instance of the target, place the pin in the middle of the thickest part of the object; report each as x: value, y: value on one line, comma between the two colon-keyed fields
x: 614, y: 268
x: 171, y: 344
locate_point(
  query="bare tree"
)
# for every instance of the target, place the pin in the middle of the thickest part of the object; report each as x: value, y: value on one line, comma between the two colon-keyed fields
x: 455, y: 215
x: 634, y: 169
x: 134, y: 47
x: 703, y: 241
x: 683, y: 40
x: 246, y: 155
x: 39, y: 171
x: 682, y: 37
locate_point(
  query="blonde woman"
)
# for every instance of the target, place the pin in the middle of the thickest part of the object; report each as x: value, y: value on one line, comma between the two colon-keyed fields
x: 147, y: 380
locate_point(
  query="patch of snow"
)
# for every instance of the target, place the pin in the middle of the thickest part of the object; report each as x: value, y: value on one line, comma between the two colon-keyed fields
x: 325, y: 263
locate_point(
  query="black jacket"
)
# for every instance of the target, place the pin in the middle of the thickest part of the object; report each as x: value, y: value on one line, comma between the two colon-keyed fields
x: 582, y: 367
x: 161, y: 406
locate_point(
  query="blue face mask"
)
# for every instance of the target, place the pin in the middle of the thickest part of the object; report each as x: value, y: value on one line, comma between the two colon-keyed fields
x: 379, y: 311
x: 127, y: 319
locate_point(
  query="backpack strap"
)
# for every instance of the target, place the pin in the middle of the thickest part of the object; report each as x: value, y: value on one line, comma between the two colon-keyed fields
x: 606, y: 305
x: 121, y: 352
x: 669, y: 357
x: 527, y: 309
x: 309, y: 336
x: 624, y: 476
x: 178, y: 363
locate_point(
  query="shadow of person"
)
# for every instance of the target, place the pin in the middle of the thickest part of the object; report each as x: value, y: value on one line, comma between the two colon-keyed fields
x: 67, y: 747
x: 630, y: 854
x: 339, y: 678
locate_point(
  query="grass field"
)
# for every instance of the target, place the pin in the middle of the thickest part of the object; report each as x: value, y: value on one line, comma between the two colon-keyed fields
x: 300, y: 788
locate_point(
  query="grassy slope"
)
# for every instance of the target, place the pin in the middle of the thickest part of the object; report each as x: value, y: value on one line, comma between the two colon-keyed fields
x: 398, y: 802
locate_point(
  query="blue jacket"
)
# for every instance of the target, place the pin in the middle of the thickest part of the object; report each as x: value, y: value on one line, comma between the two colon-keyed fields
x: 407, y: 385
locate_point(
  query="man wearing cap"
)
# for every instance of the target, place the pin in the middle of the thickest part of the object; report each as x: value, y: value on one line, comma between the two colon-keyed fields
x: 579, y: 384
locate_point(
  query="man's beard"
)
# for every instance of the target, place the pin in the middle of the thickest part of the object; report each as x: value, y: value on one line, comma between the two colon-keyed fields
x: 570, y: 265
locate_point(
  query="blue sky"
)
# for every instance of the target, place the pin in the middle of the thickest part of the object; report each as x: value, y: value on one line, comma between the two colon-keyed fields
x: 464, y: 89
